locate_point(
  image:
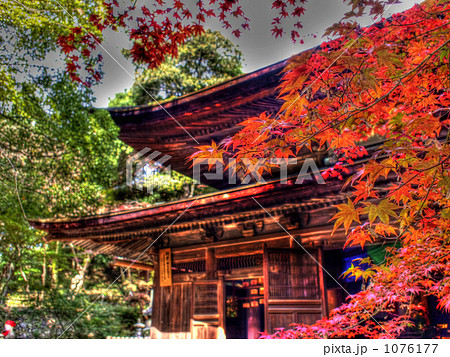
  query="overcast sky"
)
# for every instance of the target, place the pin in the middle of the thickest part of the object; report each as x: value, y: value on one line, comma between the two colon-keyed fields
x: 257, y: 45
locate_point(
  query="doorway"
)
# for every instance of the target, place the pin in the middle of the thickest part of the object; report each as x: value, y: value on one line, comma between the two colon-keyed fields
x: 244, y: 308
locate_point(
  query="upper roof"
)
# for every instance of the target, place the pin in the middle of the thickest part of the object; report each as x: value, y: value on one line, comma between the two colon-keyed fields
x: 212, y: 113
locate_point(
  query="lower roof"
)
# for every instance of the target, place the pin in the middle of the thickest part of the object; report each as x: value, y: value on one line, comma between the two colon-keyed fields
x: 128, y: 233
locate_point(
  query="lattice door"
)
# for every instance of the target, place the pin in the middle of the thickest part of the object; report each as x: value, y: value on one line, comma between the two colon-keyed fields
x: 208, y: 309
x: 292, y: 287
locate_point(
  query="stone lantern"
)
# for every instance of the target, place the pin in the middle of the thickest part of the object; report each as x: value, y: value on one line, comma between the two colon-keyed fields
x: 139, y: 326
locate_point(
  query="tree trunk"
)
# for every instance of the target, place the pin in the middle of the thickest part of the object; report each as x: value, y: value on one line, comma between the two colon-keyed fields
x: 192, y: 190
x: 55, y: 267
x: 27, y: 288
x: 44, y: 272
x: 78, y: 280
x: 8, y: 273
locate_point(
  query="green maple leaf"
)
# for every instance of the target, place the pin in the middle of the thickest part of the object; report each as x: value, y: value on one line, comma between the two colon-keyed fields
x: 383, y: 210
x: 346, y: 215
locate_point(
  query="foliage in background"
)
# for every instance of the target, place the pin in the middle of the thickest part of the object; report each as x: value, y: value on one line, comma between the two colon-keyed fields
x: 391, y: 80
x: 57, y: 156
x: 202, y: 61
x: 47, y: 311
x: 57, y: 153
x: 158, y: 185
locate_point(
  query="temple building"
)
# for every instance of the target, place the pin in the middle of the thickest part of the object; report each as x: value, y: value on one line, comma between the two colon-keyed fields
x: 245, y: 259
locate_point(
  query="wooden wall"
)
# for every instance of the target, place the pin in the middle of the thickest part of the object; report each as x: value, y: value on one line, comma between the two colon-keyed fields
x: 193, y: 307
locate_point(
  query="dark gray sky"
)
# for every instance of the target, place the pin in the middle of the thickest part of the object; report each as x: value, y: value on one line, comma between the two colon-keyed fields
x: 258, y: 45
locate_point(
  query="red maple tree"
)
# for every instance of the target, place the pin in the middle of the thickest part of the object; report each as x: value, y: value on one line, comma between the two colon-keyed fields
x: 389, y: 81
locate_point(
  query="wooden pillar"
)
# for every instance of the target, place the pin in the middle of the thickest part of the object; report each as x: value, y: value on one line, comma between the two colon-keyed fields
x: 322, y: 283
x: 292, y: 243
x: 210, y: 257
x: 156, y: 306
x: 191, y: 329
x: 253, y: 323
x: 221, y: 303
x: 266, y: 288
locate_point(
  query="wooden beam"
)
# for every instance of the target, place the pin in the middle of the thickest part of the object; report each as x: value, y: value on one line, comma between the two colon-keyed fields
x: 232, y: 242
x: 131, y: 264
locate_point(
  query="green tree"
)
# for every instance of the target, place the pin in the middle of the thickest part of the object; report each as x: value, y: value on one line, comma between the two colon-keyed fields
x: 202, y: 61
x: 57, y: 153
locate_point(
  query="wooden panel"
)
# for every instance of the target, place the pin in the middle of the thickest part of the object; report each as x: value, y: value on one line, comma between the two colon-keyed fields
x: 166, y: 294
x: 322, y: 283
x: 176, y: 308
x: 187, y: 256
x: 284, y: 320
x: 186, y: 310
x: 335, y: 298
x: 176, y: 314
x: 203, y: 330
x: 280, y: 243
x: 156, y: 334
x: 241, y: 249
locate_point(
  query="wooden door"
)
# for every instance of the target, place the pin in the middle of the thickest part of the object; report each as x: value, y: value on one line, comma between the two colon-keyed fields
x: 208, y: 303
x: 292, y: 288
